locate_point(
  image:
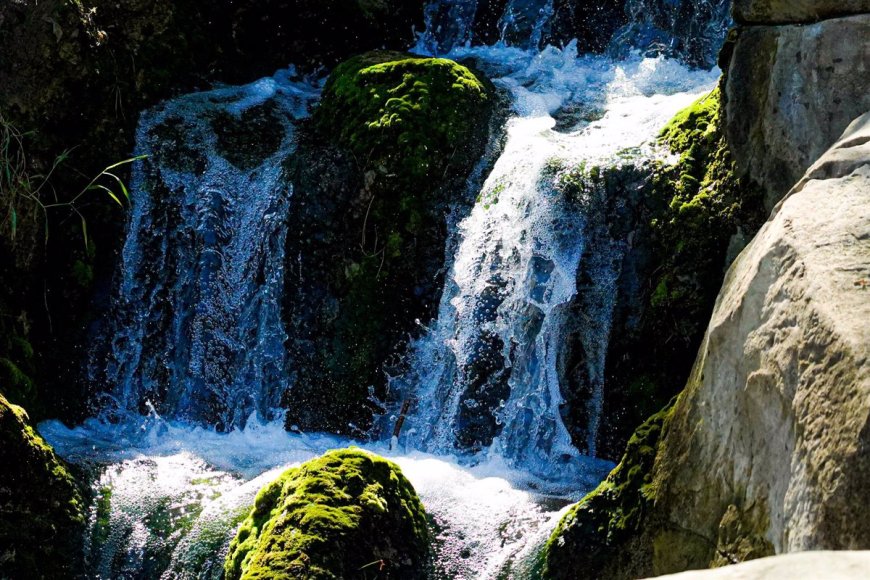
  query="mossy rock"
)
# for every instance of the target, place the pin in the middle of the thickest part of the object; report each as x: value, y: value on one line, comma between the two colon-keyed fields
x: 589, y: 535
x: 404, y: 114
x: 348, y: 514
x: 386, y: 158
x: 697, y: 212
x: 42, y: 514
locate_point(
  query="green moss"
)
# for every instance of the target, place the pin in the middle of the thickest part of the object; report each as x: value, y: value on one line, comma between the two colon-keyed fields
x: 705, y: 206
x: 407, y: 116
x: 344, y: 515
x: 41, y: 509
x: 693, y: 208
x: 588, y: 536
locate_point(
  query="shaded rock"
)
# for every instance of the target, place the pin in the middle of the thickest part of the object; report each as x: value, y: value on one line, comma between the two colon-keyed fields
x: 795, y: 11
x: 42, y: 516
x: 340, y: 516
x: 678, y: 222
x: 592, y: 24
x: 590, y: 536
x: 790, y: 93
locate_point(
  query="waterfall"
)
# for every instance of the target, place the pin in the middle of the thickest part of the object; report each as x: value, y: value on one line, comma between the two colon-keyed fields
x: 196, y: 344
x: 196, y: 325
x: 525, y: 22
x: 691, y: 30
x: 449, y: 24
x: 485, y: 377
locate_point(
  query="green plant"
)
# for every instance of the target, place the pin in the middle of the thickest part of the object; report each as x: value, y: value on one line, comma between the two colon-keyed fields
x: 26, y: 194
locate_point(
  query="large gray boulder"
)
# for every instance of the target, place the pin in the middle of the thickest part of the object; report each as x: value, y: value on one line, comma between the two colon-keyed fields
x: 770, y: 442
x: 790, y: 92
x: 804, y: 566
x: 767, y: 450
x: 795, y: 11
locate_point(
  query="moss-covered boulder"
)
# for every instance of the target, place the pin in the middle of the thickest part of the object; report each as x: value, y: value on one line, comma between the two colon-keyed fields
x: 348, y: 514
x: 591, y: 534
x: 384, y: 163
x: 411, y: 115
x: 41, y: 510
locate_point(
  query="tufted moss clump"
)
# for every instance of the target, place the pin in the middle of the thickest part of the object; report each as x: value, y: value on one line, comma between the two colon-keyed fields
x: 41, y: 509
x: 593, y: 530
x: 347, y: 514
x: 408, y: 115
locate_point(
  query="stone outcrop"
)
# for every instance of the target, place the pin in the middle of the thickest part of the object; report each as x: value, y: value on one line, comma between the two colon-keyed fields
x: 768, y: 448
x: 795, y: 11
x: 792, y: 90
x: 776, y: 417
x: 806, y: 566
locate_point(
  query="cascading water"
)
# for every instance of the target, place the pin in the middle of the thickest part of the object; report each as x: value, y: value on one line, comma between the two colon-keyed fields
x: 198, y: 337
x: 197, y: 322
x: 485, y: 376
x: 690, y: 29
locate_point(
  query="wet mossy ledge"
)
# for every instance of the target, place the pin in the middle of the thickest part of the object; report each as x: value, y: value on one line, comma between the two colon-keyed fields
x: 42, y: 514
x: 697, y: 216
x: 347, y: 514
x: 386, y: 159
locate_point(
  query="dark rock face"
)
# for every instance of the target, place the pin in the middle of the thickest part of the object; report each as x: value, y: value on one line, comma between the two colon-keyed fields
x: 795, y: 11
x: 591, y: 23
x: 74, y: 76
x: 373, y: 189
x: 42, y: 515
x: 679, y: 226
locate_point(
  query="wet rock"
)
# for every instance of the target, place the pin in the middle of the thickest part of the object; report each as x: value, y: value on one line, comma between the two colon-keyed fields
x: 385, y: 161
x: 766, y: 449
x: 42, y: 514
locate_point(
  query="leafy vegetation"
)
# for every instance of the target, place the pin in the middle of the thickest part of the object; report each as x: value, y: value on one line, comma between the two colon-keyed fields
x: 27, y: 195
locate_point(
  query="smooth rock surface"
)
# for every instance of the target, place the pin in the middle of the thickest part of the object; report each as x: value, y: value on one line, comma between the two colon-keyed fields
x: 795, y: 11
x: 803, y: 566
x: 771, y: 439
x: 790, y: 92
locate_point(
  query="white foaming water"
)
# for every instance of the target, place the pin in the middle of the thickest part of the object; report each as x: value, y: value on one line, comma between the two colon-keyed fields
x: 485, y: 376
x: 174, y: 495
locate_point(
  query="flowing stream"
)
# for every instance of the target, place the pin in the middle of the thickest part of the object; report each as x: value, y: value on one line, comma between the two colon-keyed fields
x: 191, y: 429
